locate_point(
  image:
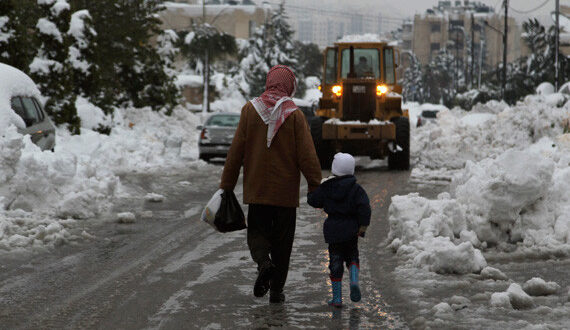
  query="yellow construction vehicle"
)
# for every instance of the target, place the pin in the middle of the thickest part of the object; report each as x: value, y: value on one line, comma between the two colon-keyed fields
x: 360, y: 111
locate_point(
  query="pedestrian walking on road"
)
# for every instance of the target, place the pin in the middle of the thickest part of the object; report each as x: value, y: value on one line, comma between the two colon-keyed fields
x: 348, y: 209
x: 274, y: 145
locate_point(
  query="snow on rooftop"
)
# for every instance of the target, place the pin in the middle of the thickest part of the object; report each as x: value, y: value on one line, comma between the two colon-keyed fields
x: 189, y: 80
x: 14, y: 82
x: 196, y: 10
x: 369, y: 37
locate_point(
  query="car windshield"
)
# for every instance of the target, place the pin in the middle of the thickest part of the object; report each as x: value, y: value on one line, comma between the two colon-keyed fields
x: 223, y: 120
x: 429, y: 114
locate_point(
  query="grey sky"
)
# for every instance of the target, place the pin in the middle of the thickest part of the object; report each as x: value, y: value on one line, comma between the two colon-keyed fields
x: 410, y: 7
x: 407, y: 8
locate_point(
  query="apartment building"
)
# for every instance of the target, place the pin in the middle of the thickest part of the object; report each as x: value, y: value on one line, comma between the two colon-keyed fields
x: 454, y: 25
x: 237, y: 18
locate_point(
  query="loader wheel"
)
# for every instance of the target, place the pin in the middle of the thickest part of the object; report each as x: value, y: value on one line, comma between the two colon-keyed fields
x: 323, y: 147
x: 401, y: 159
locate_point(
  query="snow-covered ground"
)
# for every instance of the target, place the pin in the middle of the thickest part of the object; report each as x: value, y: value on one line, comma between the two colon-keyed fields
x: 44, y: 194
x: 508, y: 169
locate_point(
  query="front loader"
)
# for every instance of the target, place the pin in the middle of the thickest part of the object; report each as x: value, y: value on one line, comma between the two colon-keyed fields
x: 360, y: 111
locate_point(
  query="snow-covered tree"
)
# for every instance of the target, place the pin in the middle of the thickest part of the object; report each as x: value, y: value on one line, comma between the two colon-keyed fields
x: 6, y: 30
x: 270, y: 45
x: 280, y: 49
x: 168, y: 50
x: 209, y: 44
x: 439, y: 78
x: 413, y: 85
x: 253, y: 64
x: 51, y: 68
x: 82, y: 52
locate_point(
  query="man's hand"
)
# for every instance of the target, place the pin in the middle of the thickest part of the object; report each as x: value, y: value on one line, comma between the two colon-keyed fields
x: 362, y: 230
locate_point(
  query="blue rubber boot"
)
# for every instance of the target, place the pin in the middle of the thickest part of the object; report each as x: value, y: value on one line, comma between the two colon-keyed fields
x: 354, y: 288
x: 337, y: 294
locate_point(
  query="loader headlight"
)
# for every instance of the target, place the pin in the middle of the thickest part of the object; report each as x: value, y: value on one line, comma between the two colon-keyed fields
x: 381, y: 89
x: 337, y: 90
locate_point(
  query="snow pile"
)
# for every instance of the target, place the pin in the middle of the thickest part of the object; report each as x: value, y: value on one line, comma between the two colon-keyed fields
x: 40, y: 191
x: 539, y: 287
x: 433, y: 234
x: 520, y: 198
x: 92, y: 117
x: 514, y: 297
x: 43, y: 194
x: 487, y: 131
x: 510, y: 170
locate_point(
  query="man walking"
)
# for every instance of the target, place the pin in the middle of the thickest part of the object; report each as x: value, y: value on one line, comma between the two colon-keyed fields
x: 274, y: 146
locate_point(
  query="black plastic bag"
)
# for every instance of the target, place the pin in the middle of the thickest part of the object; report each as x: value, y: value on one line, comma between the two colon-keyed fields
x: 230, y: 216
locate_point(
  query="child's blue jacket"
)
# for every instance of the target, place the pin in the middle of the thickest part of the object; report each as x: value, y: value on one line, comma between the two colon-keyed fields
x: 346, y: 204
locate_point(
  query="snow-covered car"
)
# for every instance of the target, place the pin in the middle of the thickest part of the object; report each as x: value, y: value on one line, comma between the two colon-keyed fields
x: 427, y: 115
x: 217, y: 134
x: 19, y: 105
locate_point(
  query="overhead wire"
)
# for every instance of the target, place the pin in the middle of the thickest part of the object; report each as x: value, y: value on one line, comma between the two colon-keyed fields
x: 531, y: 10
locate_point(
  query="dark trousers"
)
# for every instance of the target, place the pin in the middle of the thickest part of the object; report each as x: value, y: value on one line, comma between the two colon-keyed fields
x: 270, y: 233
x: 339, y: 253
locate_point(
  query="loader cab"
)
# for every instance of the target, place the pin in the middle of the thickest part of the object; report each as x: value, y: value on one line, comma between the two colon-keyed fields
x: 358, y: 78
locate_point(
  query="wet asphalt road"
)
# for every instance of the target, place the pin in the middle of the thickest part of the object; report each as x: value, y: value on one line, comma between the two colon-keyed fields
x: 170, y: 271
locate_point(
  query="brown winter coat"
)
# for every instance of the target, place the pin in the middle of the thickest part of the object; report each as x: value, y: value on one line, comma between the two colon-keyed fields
x: 271, y: 175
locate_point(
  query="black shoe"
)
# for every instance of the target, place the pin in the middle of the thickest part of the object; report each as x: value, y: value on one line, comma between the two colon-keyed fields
x: 276, y: 297
x: 262, y: 283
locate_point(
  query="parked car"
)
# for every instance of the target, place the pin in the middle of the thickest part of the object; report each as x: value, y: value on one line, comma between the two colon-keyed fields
x: 217, y: 134
x: 21, y: 94
x: 427, y: 116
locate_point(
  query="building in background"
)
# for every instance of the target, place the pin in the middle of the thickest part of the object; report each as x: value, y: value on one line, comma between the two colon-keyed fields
x: 565, y: 30
x: 451, y: 25
x: 237, y: 18
x: 323, y: 22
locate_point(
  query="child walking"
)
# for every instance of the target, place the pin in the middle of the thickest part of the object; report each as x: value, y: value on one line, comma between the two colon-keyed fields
x: 348, y: 209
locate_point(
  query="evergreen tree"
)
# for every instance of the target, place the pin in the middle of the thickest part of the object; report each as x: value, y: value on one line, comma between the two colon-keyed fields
x: 82, y: 54
x: 17, y: 44
x: 439, y: 78
x: 280, y: 48
x: 253, y: 63
x: 310, y: 59
x: 270, y: 45
x: 130, y: 70
x: 413, y: 84
x: 51, y: 69
x: 6, y: 30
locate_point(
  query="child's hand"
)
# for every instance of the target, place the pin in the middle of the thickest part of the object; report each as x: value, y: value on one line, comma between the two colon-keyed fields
x: 362, y: 230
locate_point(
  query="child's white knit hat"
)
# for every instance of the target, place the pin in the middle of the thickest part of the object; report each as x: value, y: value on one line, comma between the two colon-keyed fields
x: 343, y: 164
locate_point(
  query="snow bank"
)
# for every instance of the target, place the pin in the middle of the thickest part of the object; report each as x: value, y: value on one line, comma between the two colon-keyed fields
x: 460, y: 136
x: 43, y: 194
x: 510, y: 173
x: 91, y: 116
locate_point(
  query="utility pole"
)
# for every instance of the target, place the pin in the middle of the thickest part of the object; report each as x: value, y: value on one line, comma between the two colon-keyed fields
x: 472, y: 50
x: 504, y: 86
x: 206, y: 80
x: 556, y: 61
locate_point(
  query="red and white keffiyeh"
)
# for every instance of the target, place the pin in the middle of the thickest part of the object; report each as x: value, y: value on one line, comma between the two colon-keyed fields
x: 276, y: 104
